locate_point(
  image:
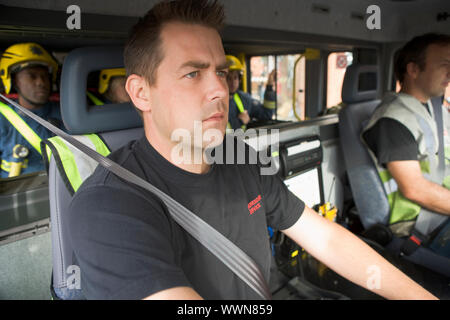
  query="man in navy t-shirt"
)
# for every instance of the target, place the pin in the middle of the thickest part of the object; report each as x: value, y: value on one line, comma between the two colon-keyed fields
x: 126, y: 243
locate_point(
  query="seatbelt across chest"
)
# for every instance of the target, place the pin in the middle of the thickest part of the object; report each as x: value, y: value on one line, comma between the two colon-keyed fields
x: 226, y: 251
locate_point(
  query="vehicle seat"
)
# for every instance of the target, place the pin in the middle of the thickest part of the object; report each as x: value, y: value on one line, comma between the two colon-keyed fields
x: 116, y: 124
x: 368, y: 191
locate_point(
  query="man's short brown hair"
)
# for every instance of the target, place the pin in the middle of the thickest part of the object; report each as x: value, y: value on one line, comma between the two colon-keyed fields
x: 415, y: 51
x: 143, y: 54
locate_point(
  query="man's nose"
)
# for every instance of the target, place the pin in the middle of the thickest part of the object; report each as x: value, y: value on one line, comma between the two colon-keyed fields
x: 41, y: 81
x: 217, y: 87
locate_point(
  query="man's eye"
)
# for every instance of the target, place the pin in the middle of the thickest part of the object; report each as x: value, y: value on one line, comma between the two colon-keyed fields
x: 192, y: 75
x: 222, y: 74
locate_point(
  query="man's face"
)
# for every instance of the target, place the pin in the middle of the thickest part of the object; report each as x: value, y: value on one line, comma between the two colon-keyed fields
x: 233, y: 81
x: 33, y: 84
x: 434, y: 79
x: 190, y: 85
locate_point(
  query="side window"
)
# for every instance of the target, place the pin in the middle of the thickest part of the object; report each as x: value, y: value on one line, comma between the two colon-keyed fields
x: 337, y: 65
x: 395, y: 84
x: 261, y: 66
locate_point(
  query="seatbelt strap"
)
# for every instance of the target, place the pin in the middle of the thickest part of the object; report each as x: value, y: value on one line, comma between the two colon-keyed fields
x: 21, y: 126
x: 428, y: 221
x: 226, y: 251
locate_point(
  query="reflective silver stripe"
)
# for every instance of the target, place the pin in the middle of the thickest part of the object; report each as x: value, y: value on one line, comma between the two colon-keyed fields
x: 390, y: 186
x: 428, y: 221
x: 436, y: 175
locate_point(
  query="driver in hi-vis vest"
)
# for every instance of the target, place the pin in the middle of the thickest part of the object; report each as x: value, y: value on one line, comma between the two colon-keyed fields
x: 28, y: 69
x: 407, y: 144
x: 243, y: 108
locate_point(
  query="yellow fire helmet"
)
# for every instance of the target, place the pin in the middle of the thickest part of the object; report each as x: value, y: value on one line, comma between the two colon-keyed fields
x: 22, y: 55
x: 235, y: 64
x: 105, y: 77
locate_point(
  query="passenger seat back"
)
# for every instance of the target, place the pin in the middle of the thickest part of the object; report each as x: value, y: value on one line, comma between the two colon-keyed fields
x: 367, y: 188
x: 116, y: 124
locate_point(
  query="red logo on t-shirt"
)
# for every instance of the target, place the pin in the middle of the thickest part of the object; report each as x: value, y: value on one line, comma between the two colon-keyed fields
x: 254, y: 205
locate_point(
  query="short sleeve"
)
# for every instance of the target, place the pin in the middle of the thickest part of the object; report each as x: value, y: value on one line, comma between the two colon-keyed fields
x: 122, y: 243
x: 283, y: 208
x: 391, y: 141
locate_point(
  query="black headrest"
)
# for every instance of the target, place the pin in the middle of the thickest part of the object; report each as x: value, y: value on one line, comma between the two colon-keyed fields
x: 77, y: 117
x: 360, y: 83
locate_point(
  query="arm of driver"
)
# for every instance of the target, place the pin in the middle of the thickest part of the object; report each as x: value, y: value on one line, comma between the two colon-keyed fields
x: 350, y: 257
x: 415, y: 187
x: 177, y: 293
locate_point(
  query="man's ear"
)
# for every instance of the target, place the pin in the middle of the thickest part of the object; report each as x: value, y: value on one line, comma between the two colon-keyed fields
x: 412, y: 69
x: 139, y: 92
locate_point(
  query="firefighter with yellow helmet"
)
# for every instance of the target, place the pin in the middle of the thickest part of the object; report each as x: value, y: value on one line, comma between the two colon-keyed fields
x: 111, y: 87
x: 243, y: 108
x: 29, y: 70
